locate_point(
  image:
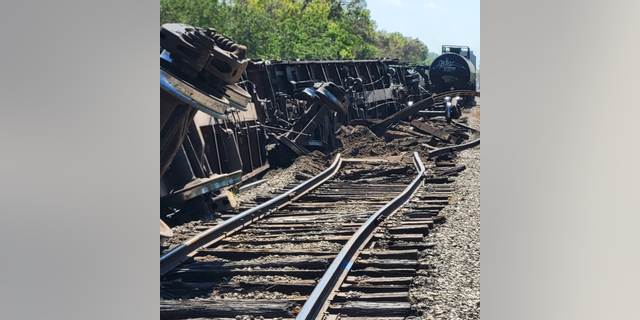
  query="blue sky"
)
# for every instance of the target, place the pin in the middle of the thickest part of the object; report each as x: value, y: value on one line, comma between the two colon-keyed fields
x: 434, y: 22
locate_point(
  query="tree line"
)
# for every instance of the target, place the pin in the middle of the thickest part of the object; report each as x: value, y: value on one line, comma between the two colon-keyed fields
x: 297, y: 29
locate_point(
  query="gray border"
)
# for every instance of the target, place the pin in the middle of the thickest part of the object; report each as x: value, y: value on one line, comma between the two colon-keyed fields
x: 79, y: 136
x: 560, y: 160
x: 559, y: 238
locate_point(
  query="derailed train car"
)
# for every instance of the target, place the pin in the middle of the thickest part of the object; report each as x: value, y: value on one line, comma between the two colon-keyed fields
x: 199, y: 70
x: 294, y: 95
x: 226, y: 119
x: 454, y: 69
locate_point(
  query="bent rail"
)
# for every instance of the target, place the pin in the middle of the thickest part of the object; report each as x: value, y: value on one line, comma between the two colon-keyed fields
x: 344, y: 260
x: 464, y: 126
x: 459, y: 147
x: 214, y: 234
x: 379, y: 127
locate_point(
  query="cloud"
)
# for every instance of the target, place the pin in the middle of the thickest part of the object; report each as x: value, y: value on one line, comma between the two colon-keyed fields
x: 430, y: 5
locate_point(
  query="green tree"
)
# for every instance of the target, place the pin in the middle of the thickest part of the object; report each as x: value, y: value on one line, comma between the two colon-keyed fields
x: 395, y: 45
x: 296, y: 29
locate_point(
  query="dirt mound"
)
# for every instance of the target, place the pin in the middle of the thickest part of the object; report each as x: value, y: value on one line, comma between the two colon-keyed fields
x: 360, y: 142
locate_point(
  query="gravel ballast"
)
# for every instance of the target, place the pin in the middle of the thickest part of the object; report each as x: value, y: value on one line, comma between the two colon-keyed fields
x: 452, y: 288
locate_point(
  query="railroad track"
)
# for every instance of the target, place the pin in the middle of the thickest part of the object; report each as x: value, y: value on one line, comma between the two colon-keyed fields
x: 345, y: 243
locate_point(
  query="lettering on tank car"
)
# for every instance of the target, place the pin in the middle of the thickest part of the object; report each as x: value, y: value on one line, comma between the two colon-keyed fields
x: 448, y: 66
x: 448, y: 79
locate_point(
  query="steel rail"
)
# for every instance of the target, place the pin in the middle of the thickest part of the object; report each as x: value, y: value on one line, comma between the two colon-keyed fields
x: 381, y: 126
x: 343, y: 262
x: 214, y: 234
x: 464, y: 126
x: 252, y: 185
x: 459, y: 147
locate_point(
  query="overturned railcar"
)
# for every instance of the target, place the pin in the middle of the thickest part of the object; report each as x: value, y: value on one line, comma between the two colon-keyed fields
x: 199, y: 160
x: 301, y: 115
